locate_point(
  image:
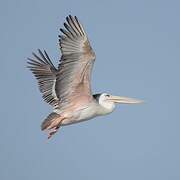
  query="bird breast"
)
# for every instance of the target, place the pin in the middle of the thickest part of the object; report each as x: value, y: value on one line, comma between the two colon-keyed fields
x: 94, y: 110
x: 81, y: 115
x: 87, y: 113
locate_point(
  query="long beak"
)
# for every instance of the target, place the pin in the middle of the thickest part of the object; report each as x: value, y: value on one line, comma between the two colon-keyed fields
x: 124, y: 100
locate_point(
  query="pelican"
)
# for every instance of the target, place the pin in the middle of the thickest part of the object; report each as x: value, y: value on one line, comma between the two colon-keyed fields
x: 67, y: 88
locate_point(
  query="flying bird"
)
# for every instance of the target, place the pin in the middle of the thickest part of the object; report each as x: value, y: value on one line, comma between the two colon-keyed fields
x: 68, y: 88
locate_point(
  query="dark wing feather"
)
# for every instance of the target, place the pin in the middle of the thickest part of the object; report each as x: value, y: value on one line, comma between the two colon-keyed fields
x: 45, y: 73
x: 74, y: 72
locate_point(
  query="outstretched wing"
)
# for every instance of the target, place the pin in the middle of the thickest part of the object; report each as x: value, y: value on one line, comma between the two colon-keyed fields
x: 74, y: 72
x: 45, y: 73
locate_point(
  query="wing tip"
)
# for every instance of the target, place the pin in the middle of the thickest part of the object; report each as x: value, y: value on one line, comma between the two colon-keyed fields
x: 72, y: 26
x: 42, y: 58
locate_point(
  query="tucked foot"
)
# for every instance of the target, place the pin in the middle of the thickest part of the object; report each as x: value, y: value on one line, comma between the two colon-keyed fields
x: 52, y: 132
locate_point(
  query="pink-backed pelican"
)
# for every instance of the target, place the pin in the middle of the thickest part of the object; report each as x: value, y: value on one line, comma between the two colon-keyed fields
x: 68, y: 88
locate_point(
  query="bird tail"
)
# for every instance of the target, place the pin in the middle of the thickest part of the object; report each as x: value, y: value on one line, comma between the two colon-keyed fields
x: 48, y: 123
x: 52, y: 123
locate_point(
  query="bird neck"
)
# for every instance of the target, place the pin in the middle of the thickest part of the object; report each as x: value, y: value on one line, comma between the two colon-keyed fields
x: 106, y: 107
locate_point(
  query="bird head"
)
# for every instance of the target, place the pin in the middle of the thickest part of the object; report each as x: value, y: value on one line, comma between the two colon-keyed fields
x: 119, y: 99
x: 108, y: 101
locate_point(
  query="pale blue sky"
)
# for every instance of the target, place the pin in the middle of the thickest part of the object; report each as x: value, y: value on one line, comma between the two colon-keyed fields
x: 137, y: 44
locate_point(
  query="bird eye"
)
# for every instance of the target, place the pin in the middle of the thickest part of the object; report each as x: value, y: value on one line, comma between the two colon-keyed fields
x: 107, y: 95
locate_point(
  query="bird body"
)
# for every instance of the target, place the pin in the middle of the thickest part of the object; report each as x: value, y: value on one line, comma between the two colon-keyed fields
x: 93, y: 109
x: 83, y: 114
x: 68, y: 88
